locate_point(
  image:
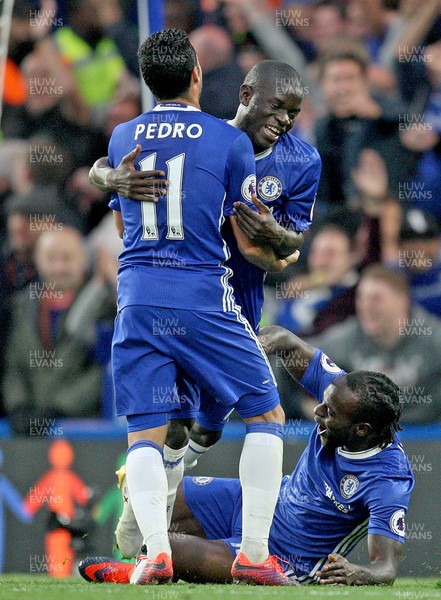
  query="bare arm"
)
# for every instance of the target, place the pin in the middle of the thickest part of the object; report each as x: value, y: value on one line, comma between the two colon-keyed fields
x: 296, y: 355
x: 420, y: 17
x: 262, y: 256
x: 128, y: 181
x: 384, y: 553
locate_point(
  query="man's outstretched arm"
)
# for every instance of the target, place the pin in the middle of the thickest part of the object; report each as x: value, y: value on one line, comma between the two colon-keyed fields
x: 296, y: 355
x: 384, y: 553
x: 126, y: 180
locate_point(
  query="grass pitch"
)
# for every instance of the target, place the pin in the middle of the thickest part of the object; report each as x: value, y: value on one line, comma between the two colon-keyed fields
x: 16, y: 587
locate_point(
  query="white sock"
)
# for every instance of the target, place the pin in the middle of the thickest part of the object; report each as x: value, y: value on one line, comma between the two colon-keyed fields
x: 174, y: 470
x: 260, y: 471
x: 193, y: 454
x: 147, y: 484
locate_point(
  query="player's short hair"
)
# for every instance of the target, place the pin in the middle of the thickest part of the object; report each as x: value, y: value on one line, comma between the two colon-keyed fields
x: 166, y: 61
x: 378, y: 403
x: 397, y: 281
x: 286, y: 77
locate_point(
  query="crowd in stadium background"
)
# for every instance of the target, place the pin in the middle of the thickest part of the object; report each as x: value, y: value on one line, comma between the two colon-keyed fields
x: 371, y: 73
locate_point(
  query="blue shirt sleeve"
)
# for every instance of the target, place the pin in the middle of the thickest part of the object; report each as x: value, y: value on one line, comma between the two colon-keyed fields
x: 320, y: 373
x: 387, y: 502
x: 299, y: 208
x: 114, y: 203
x: 240, y: 176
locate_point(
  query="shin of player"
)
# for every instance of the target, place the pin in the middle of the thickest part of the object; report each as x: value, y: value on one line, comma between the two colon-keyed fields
x: 260, y: 472
x: 174, y: 470
x: 148, y: 488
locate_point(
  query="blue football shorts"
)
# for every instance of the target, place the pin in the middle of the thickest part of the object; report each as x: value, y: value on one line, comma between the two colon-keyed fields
x: 153, y: 346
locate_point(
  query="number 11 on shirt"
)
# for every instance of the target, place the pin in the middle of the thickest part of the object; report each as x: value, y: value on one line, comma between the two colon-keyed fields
x: 175, y: 173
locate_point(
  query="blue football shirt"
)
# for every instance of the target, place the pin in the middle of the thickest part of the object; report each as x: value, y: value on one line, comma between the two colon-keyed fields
x: 287, y: 175
x: 354, y: 493
x: 174, y: 255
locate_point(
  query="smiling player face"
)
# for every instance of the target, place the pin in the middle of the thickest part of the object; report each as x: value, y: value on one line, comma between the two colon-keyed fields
x: 272, y: 109
x: 334, y: 417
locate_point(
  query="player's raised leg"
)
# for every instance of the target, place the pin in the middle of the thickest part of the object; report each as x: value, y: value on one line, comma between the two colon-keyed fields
x: 174, y: 451
x: 201, y: 440
x: 207, y: 430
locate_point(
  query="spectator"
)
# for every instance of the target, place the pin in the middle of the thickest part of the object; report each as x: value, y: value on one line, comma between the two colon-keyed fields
x: 311, y: 300
x: 417, y: 54
x: 327, y: 23
x: 125, y: 106
x: 370, y: 24
x: 116, y: 28
x: 50, y: 367
x: 378, y: 230
x: 85, y: 60
x: 28, y: 215
x: 17, y: 269
x: 14, y: 158
x: 50, y: 110
x: 222, y: 75
x: 23, y: 37
x: 43, y: 176
x: 421, y: 133
x: 420, y: 257
x: 356, y: 120
x: 366, y: 22
x: 182, y: 14
x: 419, y: 27
x: 392, y: 336
x: 250, y: 20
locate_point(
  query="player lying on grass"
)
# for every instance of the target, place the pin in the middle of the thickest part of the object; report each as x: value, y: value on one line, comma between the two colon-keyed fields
x: 353, y: 478
x: 288, y: 172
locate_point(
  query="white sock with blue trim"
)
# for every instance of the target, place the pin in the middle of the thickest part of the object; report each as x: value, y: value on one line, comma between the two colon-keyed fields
x: 193, y: 454
x: 174, y: 470
x: 147, y: 483
x: 260, y: 471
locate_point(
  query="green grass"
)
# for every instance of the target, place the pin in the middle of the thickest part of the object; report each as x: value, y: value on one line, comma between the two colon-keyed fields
x: 15, y: 587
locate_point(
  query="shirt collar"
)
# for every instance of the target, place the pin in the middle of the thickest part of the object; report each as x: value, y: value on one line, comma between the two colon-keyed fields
x: 265, y: 153
x: 362, y: 454
x: 175, y: 106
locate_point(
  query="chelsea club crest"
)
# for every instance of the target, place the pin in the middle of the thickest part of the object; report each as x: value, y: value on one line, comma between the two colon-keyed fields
x: 269, y: 188
x: 202, y: 480
x: 348, y: 485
